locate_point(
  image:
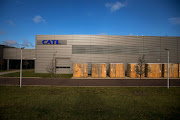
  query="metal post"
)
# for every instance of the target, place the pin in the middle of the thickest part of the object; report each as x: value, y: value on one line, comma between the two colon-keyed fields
x: 167, y: 67
x: 168, y: 70
x: 21, y: 70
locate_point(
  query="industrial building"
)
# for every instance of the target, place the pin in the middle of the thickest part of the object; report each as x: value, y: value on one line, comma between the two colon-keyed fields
x: 64, y: 50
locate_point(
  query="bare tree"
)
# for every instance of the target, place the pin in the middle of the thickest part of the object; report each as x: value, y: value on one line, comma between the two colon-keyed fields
x: 26, y: 63
x: 140, y: 66
x: 51, y: 66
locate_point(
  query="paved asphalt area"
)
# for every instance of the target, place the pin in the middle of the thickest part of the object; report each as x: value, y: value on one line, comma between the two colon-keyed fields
x: 89, y: 82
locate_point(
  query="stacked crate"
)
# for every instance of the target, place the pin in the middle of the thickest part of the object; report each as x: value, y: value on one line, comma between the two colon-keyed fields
x: 80, y: 70
x: 154, y: 70
x: 98, y: 70
x: 131, y: 70
x: 179, y: 69
x: 173, y: 70
x: 116, y: 70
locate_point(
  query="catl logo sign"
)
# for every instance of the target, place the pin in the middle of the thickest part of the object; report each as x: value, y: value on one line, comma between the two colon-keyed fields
x: 51, y: 42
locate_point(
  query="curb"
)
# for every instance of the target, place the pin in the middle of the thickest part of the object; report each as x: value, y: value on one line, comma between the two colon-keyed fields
x: 83, y: 86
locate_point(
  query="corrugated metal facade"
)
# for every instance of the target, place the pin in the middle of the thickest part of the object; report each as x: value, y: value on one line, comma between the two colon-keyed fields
x: 106, y: 49
x: 15, y: 54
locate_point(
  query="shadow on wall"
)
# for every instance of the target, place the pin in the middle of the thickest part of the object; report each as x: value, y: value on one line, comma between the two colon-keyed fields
x: 27, y: 64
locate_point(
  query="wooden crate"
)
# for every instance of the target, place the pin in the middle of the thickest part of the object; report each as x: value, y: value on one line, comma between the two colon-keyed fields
x: 179, y: 70
x: 173, y: 70
x: 98, y: 70
x: 154, y: 70
x: 95, y: 71
x: 80, y: 70
x: 131, y: 70
x: 116, y: 70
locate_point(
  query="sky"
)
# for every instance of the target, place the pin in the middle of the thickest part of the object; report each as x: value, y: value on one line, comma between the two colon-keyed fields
x: 21, y: 20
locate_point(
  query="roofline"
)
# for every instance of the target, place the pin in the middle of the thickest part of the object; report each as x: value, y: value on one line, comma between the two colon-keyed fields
x: 113, y: 35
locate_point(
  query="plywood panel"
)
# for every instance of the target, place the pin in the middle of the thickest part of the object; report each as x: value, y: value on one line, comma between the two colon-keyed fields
x: 99, y: 70
x: 143, y: 68
x: 80, y: 70
x: 102, y: 70
x: 116, y: 70
x: 179, y: 70
x: 112, y: 70
x: 95, y: 70
x: 120, y: 70
x: 173, y: 70
x: 154, y: 70
x: 131, y: 70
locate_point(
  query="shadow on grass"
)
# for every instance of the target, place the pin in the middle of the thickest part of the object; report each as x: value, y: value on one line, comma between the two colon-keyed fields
x: 78, y: 103
x: 90, y: 105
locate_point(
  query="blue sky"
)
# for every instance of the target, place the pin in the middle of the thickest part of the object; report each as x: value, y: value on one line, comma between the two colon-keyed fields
x: 21, y: 20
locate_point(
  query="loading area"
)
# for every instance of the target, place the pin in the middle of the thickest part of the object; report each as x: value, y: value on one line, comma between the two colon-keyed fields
x: 118, y: 71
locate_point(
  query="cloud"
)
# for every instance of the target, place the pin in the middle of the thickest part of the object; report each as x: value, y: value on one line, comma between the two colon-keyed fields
x: 27, y: 43
x: 14, y: 43
x: 10, y: 22
x: 38, y: 19
x: 175, y: 20
x: 2, y: 32
x: 115, y: 6
x: 10, y: 43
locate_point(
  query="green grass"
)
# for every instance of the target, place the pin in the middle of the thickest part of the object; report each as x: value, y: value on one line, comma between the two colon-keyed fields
x: 6, y: 70
x: 30, y: 73
x: 89, y: 103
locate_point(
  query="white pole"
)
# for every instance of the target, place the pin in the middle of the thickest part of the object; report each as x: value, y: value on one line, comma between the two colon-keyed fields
x: 21, y: 70
x: 168, y: 70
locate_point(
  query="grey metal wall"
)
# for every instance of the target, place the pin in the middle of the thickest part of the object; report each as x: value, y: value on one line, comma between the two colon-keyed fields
x: 106, y: 49
x: 44, y: 53
x: 15, y: 54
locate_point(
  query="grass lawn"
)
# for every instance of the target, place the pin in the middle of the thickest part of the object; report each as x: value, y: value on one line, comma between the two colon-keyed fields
x: 30, y: 73
x: 6, y: 70
x: 89, y: 103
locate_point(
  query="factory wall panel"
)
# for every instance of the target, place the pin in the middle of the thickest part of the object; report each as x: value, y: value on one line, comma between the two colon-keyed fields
x: 15, y: 53
x: 107, y: 49
x: 80, y: 40
x: 46, y: 53
x: 171, y: 44
x: 152, y: 49
x: 178, y: 49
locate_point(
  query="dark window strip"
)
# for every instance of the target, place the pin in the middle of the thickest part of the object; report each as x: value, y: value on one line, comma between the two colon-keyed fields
x: 62, y: 67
